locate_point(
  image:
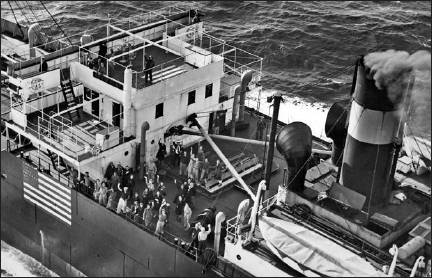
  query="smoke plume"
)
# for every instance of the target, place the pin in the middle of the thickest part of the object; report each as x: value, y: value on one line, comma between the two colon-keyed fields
x: 387, y: 66
x: 391, y: 69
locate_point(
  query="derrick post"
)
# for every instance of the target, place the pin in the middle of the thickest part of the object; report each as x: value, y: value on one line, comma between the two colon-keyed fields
x: 269, y: 161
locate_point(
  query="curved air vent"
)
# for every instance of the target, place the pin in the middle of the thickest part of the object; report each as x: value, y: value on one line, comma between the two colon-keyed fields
x: 294, y: 142
x: 335, y: 128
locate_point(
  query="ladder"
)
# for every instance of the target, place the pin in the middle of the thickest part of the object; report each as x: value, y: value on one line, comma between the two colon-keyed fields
x: 54, y: 158
x: 70, y: 99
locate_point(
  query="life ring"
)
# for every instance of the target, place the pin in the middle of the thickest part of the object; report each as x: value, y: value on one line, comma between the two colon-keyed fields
x: 189, y: 34
x: 95, y: 150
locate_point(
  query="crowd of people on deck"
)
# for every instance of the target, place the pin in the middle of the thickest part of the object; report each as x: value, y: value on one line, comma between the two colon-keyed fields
x: 116, y: 191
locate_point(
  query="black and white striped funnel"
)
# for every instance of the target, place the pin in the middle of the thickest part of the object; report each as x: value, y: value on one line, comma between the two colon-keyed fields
x: 373, y: 123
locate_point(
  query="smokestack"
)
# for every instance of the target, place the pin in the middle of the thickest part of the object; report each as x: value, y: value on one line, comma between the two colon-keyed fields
x: 335, y: 128
x: 144, y: 127
x: 294, y: 142
x: 378, y: 100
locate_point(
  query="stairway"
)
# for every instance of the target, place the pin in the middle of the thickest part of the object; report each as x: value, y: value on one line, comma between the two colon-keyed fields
x: 54, y: 157
x: 70, y: 99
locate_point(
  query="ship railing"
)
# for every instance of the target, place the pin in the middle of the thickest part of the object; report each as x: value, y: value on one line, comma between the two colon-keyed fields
x: 145, y: 17
x: 110, y: 67
x: 253, y: 102
x: 234, y: 227
x: 153, y: 16
x: 160, y: 72
x: 60, y: 59
x: 47, y: 167
x: 60, y: 134
x: 181, y: 244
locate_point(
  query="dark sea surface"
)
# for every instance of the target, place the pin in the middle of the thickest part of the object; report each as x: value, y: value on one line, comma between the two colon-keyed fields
x: 309, y: 48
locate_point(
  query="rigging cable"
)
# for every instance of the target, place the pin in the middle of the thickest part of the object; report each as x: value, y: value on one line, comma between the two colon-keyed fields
x: 16, y: 21
x: 421, y: 136
x: 56, y: 23
x: 47, y: 31
x: 28, y: 19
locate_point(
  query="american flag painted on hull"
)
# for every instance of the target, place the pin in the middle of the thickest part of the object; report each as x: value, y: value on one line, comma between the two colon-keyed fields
x: 48, y: 194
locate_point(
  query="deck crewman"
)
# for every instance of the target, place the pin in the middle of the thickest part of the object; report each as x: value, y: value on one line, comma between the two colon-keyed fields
x: 44, y: 65
x: 149, y: 68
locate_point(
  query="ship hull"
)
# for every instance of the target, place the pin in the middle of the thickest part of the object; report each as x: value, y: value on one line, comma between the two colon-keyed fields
x: 97, y: 243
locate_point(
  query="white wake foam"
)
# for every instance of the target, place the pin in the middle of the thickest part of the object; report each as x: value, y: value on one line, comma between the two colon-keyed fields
x: 17, y: 264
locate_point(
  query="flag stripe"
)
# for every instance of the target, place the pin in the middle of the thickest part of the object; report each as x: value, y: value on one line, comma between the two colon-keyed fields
x: 47, y: 209
x: 49, y: 185
x: 65, y: 212
x: 47, y: 193
x: 55, y: 201
x: 57, y: 198
x: 57, y: 184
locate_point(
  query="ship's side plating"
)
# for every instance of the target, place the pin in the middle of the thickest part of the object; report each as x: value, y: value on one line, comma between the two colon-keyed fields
x: 95, y: 242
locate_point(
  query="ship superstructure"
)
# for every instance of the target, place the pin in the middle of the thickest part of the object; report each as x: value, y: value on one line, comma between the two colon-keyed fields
x: 85, y: 115
x: 72, y: 108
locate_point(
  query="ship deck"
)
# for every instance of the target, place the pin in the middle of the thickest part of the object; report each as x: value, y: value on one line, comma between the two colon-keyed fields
x: 167, y: 65
x: 226, y: 200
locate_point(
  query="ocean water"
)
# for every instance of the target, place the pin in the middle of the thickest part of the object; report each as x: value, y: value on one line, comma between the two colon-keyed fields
x: 309, y: 48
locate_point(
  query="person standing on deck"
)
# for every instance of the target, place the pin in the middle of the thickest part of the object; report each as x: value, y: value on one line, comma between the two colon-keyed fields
x: 150, y: 185
x: 204, y: 170
x: 177, y: 154
x: 202, y: 239
x: 161, y: 221
x: 179, y: 202
x: 197, y: 170
x: 191, y: 166
x: 260, y: 129
x: 138, y: 218
x: 115, y: 193
x: 172, y: 155
x: 200, y: 153
x: 131, y: 185
x: 121, y: 207
x: 190, y: 195
x: 145, y: 197
x: 184, y: 161
x: 216, y: 125
x: 103, y: 49
x: 44, y: 65
x: 149, y: 68
x: 102, y: 68
x: 109, y: 170
x: 153, y: 149
x: 186, y: 217
x: 88, y: 185
x: 126, y: 175
x: 102, y: 194
x: 151, y: 169
x: 161, y: 153
x: 96, y: 189
x: 148, y: 214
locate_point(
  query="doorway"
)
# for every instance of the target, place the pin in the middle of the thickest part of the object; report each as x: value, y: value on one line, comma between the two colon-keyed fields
x: 117, y: 109
x: 95, y: 104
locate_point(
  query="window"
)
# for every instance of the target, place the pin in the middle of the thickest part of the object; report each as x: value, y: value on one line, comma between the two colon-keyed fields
x: 209, y: 90
x: 191, y: 97
x: 159, y: 110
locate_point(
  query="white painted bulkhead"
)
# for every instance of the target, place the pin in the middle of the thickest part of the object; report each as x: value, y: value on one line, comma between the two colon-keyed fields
x: 235, y: 253
x: 174, y: 94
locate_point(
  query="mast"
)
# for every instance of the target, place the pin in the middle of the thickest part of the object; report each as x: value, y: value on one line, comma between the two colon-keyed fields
x: 277, y: 97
